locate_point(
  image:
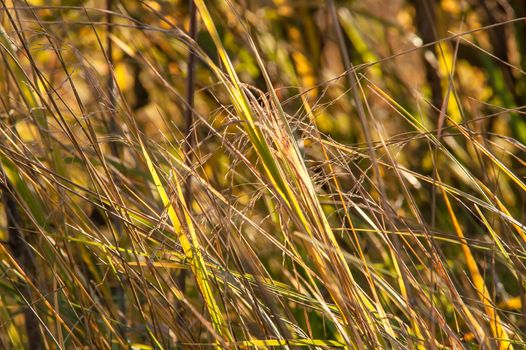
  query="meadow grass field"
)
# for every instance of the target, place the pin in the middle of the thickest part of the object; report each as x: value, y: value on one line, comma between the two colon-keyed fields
x: 262, y: 174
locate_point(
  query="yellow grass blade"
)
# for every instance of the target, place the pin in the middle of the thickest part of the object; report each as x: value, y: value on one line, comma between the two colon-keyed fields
x: 191, y: 248
x: 292, y: 342
x: 497, y: 329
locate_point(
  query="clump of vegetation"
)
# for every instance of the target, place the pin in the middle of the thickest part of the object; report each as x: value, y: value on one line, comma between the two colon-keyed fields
x: 260, y: 174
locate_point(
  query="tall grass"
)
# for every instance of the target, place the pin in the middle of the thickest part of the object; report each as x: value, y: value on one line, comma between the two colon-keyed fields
x: 236, y: 174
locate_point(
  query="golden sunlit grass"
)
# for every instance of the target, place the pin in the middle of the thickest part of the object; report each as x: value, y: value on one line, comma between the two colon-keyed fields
x: 330, y: 177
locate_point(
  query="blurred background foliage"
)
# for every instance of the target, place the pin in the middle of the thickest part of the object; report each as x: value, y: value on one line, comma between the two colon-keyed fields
x: 443, y: 91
